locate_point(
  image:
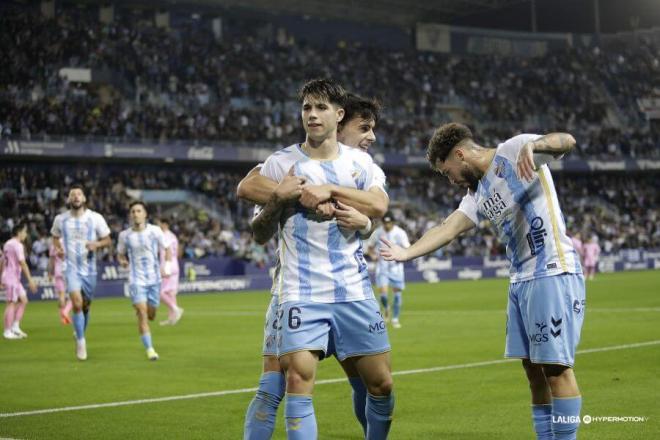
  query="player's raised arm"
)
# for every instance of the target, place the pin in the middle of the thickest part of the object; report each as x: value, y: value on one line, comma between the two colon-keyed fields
x: 542, y: 150
x: 255, y: 187
x: 435, y: 238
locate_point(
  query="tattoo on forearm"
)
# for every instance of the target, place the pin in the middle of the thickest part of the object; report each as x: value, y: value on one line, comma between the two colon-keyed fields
x: 265, y: 224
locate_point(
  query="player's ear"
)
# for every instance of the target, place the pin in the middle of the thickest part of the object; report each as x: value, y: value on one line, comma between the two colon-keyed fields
x: 340, y: 114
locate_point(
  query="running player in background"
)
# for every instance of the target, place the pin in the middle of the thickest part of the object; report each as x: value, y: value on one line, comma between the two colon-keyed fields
x: 55, y: 272
x: 326, y: 303
x: 390, y: 273
x: 13, y: 264
x: 591, y: 251
x: 170, y: 284
x: 511, y: 186
x: 82, y: 232
x: 139, y: 247
x: 355, y: 130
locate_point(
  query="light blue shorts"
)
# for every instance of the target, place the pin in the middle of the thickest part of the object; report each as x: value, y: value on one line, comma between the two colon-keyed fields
x: 383, y: 280
x: 85, y: 284
x: 544, y: 319
x: 270, y: 328
x: 145, y: 294
x: 345, y: 329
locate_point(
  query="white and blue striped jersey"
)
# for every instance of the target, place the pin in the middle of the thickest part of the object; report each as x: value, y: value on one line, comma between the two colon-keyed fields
x: 319, y: 261
x: 75, y: 232
x: 526, y: 215
x: 143, y: 251
x: 396, y: 235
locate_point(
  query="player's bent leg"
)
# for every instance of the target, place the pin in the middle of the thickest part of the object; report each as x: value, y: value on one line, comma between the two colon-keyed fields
x: 78, y: 315
x: 376, y: 373
x: 397, y: 302
x: 566, y: 401
x: 541, y: 400
x: 300, y: 370
x: 262, y: 411
x: 359, y: 393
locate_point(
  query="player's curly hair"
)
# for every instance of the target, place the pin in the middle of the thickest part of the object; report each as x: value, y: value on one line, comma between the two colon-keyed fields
x: 358, y: 106
x: 444, y: 139
x: 324, y: 88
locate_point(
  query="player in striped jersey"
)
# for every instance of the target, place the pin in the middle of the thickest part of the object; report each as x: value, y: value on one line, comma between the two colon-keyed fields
x: 138, y: 247
x: 511, y: 187
x: 326, y: 304
x: 77, y: 234
x: 355, y: 130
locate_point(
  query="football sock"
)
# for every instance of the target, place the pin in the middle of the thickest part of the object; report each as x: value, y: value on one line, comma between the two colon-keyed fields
x: 542, y: 418
x: 300, y: 419
x: 359, y: 401
x: 262, y: 411
x: 396, y: 305
x: 79, y: 325
x: 379, y: 416
x: 566, y: 417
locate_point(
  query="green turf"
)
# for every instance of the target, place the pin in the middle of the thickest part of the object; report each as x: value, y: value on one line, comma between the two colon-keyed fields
x: 217, y: 347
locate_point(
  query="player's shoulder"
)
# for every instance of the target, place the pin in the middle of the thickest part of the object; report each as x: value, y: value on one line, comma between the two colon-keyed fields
x: 510, y: 147
x: 291, y: 153
x: 356, y: 154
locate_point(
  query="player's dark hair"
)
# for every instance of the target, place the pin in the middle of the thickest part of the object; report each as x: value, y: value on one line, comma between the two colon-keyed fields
x: 165, y: 220
x: 77, y: 186
x: 18, y: 227
x: 324, y: 88
x: 356, y: 106
x: 138, y: 202
x: 444, y: 140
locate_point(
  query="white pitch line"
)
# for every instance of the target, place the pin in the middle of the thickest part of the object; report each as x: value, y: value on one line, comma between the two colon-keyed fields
x: 320, y: 382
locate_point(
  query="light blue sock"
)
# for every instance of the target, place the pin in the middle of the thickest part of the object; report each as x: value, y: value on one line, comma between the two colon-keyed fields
x: 86, y: 313
x: 379, y: 416
x: 79, y: 325
x: 359, y: 401
x: 566, y: 417
x: 146, y: 340
x: 396, y: 305
x: 542, y: 418
x: 300, y: 419
x: 383, y: 301
x: 262, y: 411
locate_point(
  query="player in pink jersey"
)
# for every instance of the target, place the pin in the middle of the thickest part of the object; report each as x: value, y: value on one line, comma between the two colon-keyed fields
x: 578, y: 245
x: 170, y: 281
x: 591, y: 251
x: 56, y: 273
x: 14, y: 264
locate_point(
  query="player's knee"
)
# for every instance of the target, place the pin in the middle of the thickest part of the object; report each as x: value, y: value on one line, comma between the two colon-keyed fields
x: 380, y: 386
x: 297, y: 381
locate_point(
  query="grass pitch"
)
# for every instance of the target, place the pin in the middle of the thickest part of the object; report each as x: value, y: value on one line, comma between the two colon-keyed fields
x: 453, y: 385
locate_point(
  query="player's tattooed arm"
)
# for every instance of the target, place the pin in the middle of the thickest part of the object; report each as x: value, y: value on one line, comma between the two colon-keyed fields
x: 433, y: 239
x: 256, y: 188
x: 265, y: 224
x: 553, y: 144
x: 372, y: 203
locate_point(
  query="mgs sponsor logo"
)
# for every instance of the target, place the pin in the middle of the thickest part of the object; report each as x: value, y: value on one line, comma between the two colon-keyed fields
x: 378, y: 326
x: 536, y: 236
x: 578, y: 305
x: 540, y: 336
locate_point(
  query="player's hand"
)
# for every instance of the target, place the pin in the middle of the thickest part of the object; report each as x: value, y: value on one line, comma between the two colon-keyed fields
x: 290, y: 187
x: 349, y: 217
x: 59, y: 252
x: 91, y: 246
x: 326, y: 210
x: 313, y: 195
x: 525, y: 163
x: 32, y: 286
x: 123, y: 262
x: 392, y: 252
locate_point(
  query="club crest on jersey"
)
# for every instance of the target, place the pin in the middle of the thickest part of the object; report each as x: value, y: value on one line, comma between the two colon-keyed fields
x: 499, y: 170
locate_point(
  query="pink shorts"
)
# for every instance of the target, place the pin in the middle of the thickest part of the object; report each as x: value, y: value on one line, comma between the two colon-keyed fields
x: 14, y: 292
x: 59, y: 285
x: 170, y: 284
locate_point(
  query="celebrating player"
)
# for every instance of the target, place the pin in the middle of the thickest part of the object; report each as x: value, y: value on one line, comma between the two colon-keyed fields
x: 390, y: 273
x: 511, y: 186
x: 170, y: 284
x: 13, y: 264
x: 82, y: 232
x: 139, y: 246
x: 326, y: 303
x: 355, y: 130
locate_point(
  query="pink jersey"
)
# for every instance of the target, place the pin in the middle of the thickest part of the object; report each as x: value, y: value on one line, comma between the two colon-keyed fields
x: 14, y: 256
x: 579, y: 247
x: 591, y: 254
x: 171, y: 243
x: 57, y: 261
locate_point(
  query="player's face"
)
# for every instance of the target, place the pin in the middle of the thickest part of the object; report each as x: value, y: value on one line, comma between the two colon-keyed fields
x: 138, y: 215
x: 358, y: 133
x: 320, y: 118
x: 459, y: 172
x: 77, y: 198
x: 22, y: 234
x: 388, y: 226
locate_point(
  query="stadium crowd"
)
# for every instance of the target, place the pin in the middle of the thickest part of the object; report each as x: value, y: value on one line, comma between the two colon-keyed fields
x: 620, y: 210
x: 242, y: 87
